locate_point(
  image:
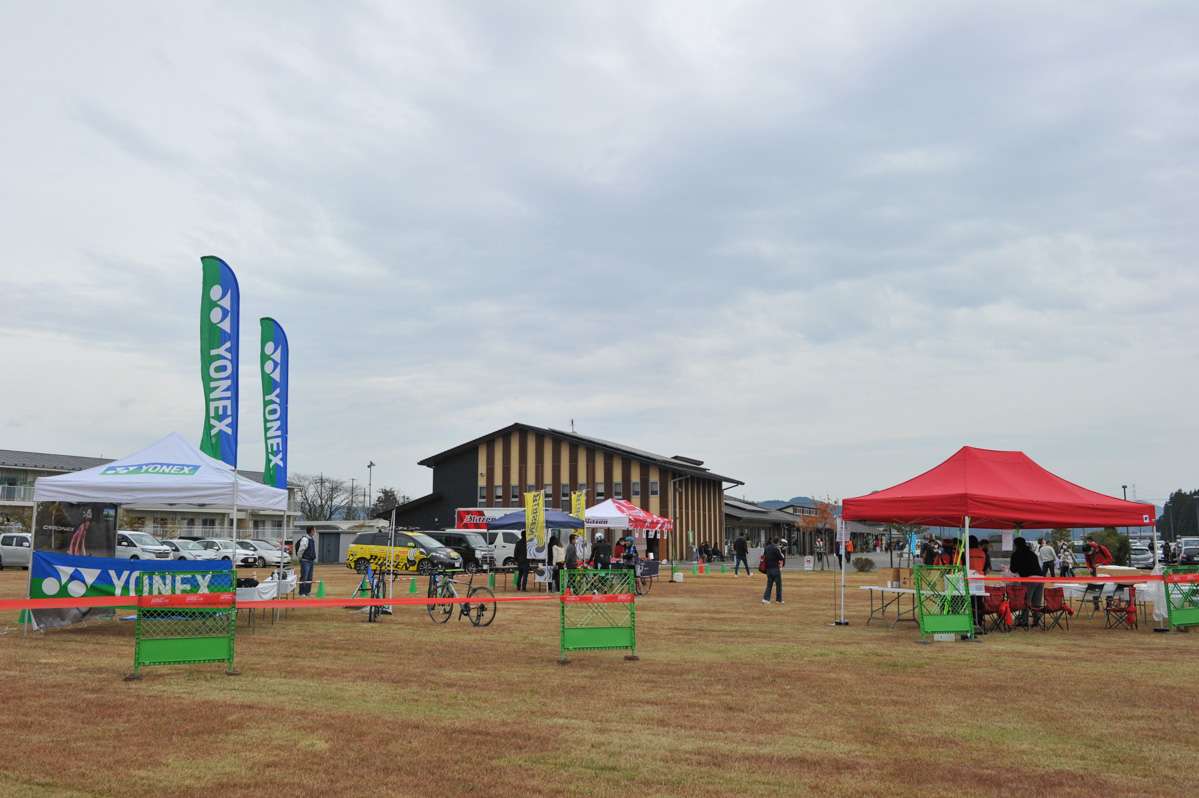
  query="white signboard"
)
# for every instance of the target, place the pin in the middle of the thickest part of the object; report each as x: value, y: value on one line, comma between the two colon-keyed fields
x: 809, y: 563
x: 1008, y: 535
x: 842, y: 531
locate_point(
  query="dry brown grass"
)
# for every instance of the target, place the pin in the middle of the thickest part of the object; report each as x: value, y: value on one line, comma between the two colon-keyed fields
x: 730, y: 697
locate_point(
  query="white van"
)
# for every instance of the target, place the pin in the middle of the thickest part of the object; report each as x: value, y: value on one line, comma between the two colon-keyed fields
x: 140, y: 546
x: 502, y: 543
x: 15, y: 550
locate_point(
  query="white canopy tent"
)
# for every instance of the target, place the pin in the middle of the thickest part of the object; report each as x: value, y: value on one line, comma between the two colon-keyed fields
x: 170, y: 472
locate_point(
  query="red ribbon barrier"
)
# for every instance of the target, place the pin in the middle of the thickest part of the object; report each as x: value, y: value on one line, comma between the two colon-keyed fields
x: 1082, y: 580
x: 206, y: 600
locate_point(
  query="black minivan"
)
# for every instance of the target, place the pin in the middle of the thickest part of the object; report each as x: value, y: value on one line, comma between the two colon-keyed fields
x: 476, y: 554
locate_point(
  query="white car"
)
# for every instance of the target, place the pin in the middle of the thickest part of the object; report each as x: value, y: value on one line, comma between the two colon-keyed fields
x: 224, y: 551
x: 188, y: 550
x: 140, y: 546
x: 268, y: 553
x: 15, y: 550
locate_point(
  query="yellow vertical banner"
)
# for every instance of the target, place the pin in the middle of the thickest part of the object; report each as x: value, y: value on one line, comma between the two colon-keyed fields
x: 578, y: 509
x: 535, y: 517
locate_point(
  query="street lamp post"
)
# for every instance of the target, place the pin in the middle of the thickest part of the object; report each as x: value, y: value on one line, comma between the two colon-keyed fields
x: 1125, y: 488
x: 370, y: 486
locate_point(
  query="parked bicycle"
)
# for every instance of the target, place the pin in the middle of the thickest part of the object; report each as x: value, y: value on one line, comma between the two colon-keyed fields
x: 480, y: 611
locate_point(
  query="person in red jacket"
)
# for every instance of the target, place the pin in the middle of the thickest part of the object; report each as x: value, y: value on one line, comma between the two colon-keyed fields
x: 1096, y: 554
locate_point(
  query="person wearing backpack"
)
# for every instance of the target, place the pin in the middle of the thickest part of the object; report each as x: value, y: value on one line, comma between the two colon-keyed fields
x: 307, y: 552
x: 772, y: 565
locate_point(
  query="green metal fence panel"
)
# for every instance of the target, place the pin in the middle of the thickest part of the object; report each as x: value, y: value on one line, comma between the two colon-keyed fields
x: 1182, y: 595
x: 186, y: 619
x: 943, y: 599
x: 598, y: 611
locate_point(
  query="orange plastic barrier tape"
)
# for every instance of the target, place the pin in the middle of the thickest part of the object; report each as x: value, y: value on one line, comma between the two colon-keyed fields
x: 125, y: 601
x: 1068, y: 580
x: 1176, y: 578
x: 614, y: 598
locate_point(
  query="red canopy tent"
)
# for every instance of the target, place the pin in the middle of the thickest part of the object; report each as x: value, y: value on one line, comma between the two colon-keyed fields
x: 988, y: 489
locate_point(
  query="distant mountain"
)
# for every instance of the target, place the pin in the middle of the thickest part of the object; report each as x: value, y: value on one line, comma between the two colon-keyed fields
x: 775, y: 504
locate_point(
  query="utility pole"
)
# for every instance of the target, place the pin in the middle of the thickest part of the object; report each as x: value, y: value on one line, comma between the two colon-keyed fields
x: 1125, y: 487
x: 350, y: 516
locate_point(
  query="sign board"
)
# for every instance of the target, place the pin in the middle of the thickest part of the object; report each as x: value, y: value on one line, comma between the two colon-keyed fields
x: 809, y: 563
x: 1008, y: 536
x: 842, y: 531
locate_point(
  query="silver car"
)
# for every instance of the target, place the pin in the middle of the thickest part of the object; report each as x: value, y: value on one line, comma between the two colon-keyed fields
x: 224, y: 550
x: 188, y: 550
x: 15, y: 550
x: 268, y: 553
x: 1142, y: 557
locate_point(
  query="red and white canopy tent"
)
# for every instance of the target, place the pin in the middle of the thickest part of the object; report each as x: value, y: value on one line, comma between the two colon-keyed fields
x: 990, y: 489
x: 620, y: 514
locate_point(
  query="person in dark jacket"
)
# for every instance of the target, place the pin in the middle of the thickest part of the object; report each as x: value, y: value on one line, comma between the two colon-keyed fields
x: 928, y: 552
x: 1026, y: 563
x: 774, y: 573
x: 522, y: 563
x: 601, y: 553
x: 572, y: 553
x: 741, y: 551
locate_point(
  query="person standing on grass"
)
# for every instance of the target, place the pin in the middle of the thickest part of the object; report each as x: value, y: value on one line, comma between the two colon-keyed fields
x: 307, y: 561
x: 572, y: 553
x: 601, y: 553
x: 522, y: 563
x: 740, y: 551
x: 557, y: 560
x: 1047, y: 555
x: 1066, y: 555
x: 1025, y: 563
x: 774, y: 572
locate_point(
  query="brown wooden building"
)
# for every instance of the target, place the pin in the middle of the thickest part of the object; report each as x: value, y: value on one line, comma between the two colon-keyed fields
x: 497, y: 469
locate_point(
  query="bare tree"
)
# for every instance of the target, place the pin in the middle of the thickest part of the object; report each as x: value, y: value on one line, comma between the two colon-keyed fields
x: 322, y: 498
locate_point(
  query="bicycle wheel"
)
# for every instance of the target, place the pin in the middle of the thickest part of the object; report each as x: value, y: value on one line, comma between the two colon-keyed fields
x: 482, y: 613
x: 440, y: 613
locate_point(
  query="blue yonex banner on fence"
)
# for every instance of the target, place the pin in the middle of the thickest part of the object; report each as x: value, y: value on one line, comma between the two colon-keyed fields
x: 220, y: 311
x: 275, y: 370
x: 62, y: 575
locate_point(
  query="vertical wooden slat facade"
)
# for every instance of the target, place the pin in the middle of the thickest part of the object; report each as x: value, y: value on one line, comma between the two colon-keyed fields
x: 520, y: 458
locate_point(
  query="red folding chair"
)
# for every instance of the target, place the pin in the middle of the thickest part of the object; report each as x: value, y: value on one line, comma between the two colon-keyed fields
x: 1122, y: 613
x: 1056, y: 610
x: 1017, y: 596
x: 996, y: 617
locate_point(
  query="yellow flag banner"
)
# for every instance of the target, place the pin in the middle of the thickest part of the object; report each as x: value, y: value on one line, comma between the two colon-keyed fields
x: 535, y: 517
x: 578, y: 505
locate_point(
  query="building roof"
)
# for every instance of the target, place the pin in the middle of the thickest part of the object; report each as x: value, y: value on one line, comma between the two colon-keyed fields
x: 42, y: 461
x: 748, y: 511
x: 421, y: 501
x: 676, y: 463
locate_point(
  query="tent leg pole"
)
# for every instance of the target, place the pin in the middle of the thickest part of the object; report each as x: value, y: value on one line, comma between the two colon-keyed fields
x: 29, y: 573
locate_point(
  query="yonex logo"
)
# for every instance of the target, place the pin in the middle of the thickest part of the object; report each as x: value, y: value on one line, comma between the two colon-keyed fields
x: 75, y: 587
x: 221, y: 314
x: 172, y: 469
x: 274, y: 364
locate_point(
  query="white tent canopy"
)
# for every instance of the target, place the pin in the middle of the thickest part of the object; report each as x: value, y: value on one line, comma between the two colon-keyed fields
x: 171, y: 472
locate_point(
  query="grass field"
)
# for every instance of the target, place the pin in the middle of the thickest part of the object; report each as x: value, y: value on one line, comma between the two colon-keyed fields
x: 730, y: 697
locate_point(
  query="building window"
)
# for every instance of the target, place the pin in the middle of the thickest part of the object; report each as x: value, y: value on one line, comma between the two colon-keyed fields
x: 529, y: 488
x: 259, y: 525
x: 499, y: 493
x: 653, y: 487
x: 482, y: 493
x: 208, y: 523
x: 516, y: 493
x: 565, y: 491
x: 582, y: 487
x: 636, y: 489
x: 617, y: 490
x: 599, y: 490
x: 549, y: 490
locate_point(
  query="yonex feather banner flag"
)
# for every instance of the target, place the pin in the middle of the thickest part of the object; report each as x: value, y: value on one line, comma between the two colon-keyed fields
x: 273, y: 359
x: 220, y: 312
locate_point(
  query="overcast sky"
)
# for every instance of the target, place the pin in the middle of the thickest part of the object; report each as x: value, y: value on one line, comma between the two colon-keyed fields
x: 818, y: 246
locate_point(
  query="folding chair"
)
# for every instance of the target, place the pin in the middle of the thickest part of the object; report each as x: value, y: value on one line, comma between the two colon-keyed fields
x: 1095, y: 591
x: 1017, y: 596
x: 1056, y: 609
x: 1122, y: 612
x: 994, y: 611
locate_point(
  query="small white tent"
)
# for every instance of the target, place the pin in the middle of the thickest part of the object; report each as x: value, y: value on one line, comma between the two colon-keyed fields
x: 170, y: 472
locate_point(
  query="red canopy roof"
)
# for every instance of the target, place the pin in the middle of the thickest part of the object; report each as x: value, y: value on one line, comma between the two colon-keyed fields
x: 997, y: 490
